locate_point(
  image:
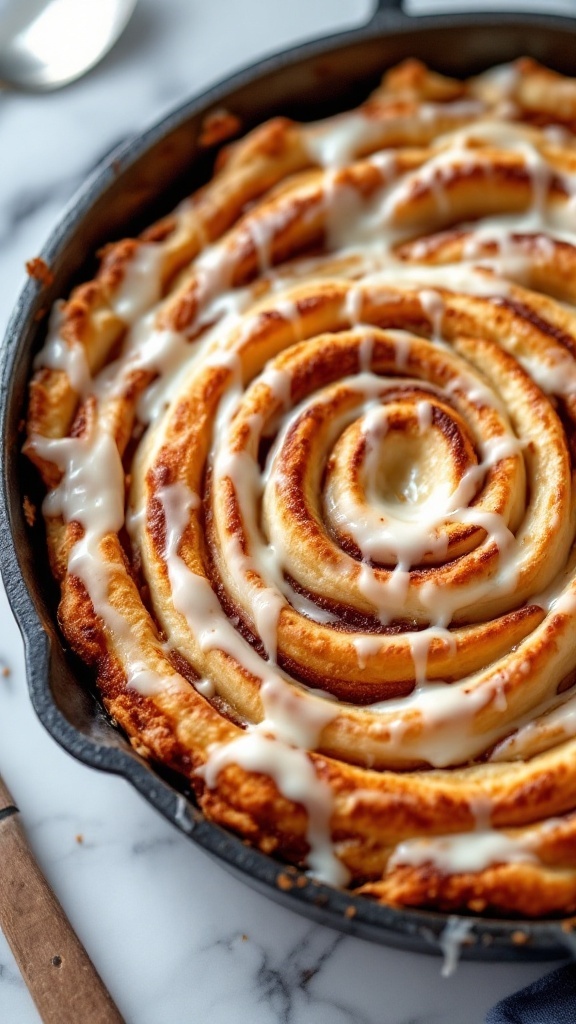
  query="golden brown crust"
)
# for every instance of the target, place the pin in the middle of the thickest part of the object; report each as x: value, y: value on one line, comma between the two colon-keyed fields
x: 452, y: 355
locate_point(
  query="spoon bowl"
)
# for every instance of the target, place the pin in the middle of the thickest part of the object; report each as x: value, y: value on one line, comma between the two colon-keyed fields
x: 45, y: 44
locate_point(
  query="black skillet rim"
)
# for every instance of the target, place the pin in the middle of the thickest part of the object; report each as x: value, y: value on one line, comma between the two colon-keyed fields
x: 421, y: 931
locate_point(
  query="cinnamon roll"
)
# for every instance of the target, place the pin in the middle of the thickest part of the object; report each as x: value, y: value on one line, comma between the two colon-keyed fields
x: 308, y: 450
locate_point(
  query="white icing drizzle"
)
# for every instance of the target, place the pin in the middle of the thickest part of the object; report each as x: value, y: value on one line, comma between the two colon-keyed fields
x: 366, y: 647
x: 481, y: 808
x: 420, y: 645
x: 141, y: 285
x: 500, y: 80
x: 452, y: 938
x: 433, y: 305
x: 558, y: 722
x: 92, y: 485
x: 58, y: 354
x: 398, y: 533
x: 336, y: 143
x: 466, y: 852
x: 294, y: 774
x: 277, y: 745
x: 352, y: 309
x: 181, y: 815
x: 555, y: 375
x: 424, y: 411
x: 206, y: 687
x: 91, y: 493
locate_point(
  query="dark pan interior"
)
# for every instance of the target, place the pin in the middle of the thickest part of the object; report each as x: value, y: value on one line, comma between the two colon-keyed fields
x: 139, y: 182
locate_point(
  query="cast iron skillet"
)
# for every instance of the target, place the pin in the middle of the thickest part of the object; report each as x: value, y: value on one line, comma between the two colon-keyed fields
x: 143, y: 180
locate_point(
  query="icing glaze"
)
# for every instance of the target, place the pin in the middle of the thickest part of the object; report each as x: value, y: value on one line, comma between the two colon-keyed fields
x: 414, y: 454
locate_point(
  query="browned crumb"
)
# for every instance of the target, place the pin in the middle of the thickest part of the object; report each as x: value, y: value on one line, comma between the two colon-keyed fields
x: 284, y: 882
x: 39, y: 270
x: 301, y: 881
x: 29, y: 511
x: 218, y: 126
x: 350, y: 912
x: 519, y: 938
x: 5, y: 671
x: 244, y: 938
x: 79, y: 838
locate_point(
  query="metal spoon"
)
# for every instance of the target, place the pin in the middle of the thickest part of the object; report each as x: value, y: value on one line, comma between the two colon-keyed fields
x: 45, y: 44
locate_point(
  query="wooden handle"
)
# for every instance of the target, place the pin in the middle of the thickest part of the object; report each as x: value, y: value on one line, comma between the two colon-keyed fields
x: 55, y: 966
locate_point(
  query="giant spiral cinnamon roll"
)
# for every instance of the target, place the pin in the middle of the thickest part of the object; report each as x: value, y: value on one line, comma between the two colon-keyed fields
x: 308, y: 446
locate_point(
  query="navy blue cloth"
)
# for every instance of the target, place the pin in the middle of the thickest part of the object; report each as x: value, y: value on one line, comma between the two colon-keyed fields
x: 550, y: 1000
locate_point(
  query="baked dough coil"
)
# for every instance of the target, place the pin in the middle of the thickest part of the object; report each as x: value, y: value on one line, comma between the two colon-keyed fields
x: 308, y: 451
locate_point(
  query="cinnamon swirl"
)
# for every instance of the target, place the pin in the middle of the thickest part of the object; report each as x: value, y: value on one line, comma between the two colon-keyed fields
x: 308, y: 449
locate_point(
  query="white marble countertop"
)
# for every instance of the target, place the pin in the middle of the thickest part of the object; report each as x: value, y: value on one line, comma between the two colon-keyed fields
x: 173, y: 935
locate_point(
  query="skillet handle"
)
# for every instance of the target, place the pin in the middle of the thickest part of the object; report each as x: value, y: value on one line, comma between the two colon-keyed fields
x: 389, y: 9
x: 55, y: 966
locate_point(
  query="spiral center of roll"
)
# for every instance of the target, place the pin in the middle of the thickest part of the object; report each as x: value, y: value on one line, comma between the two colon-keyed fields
x: 402, y: 479
x: 394, y: 476
x: 408, y: 469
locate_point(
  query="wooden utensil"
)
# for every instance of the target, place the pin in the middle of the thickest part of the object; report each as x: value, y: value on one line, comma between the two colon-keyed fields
x: 54, y: 964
